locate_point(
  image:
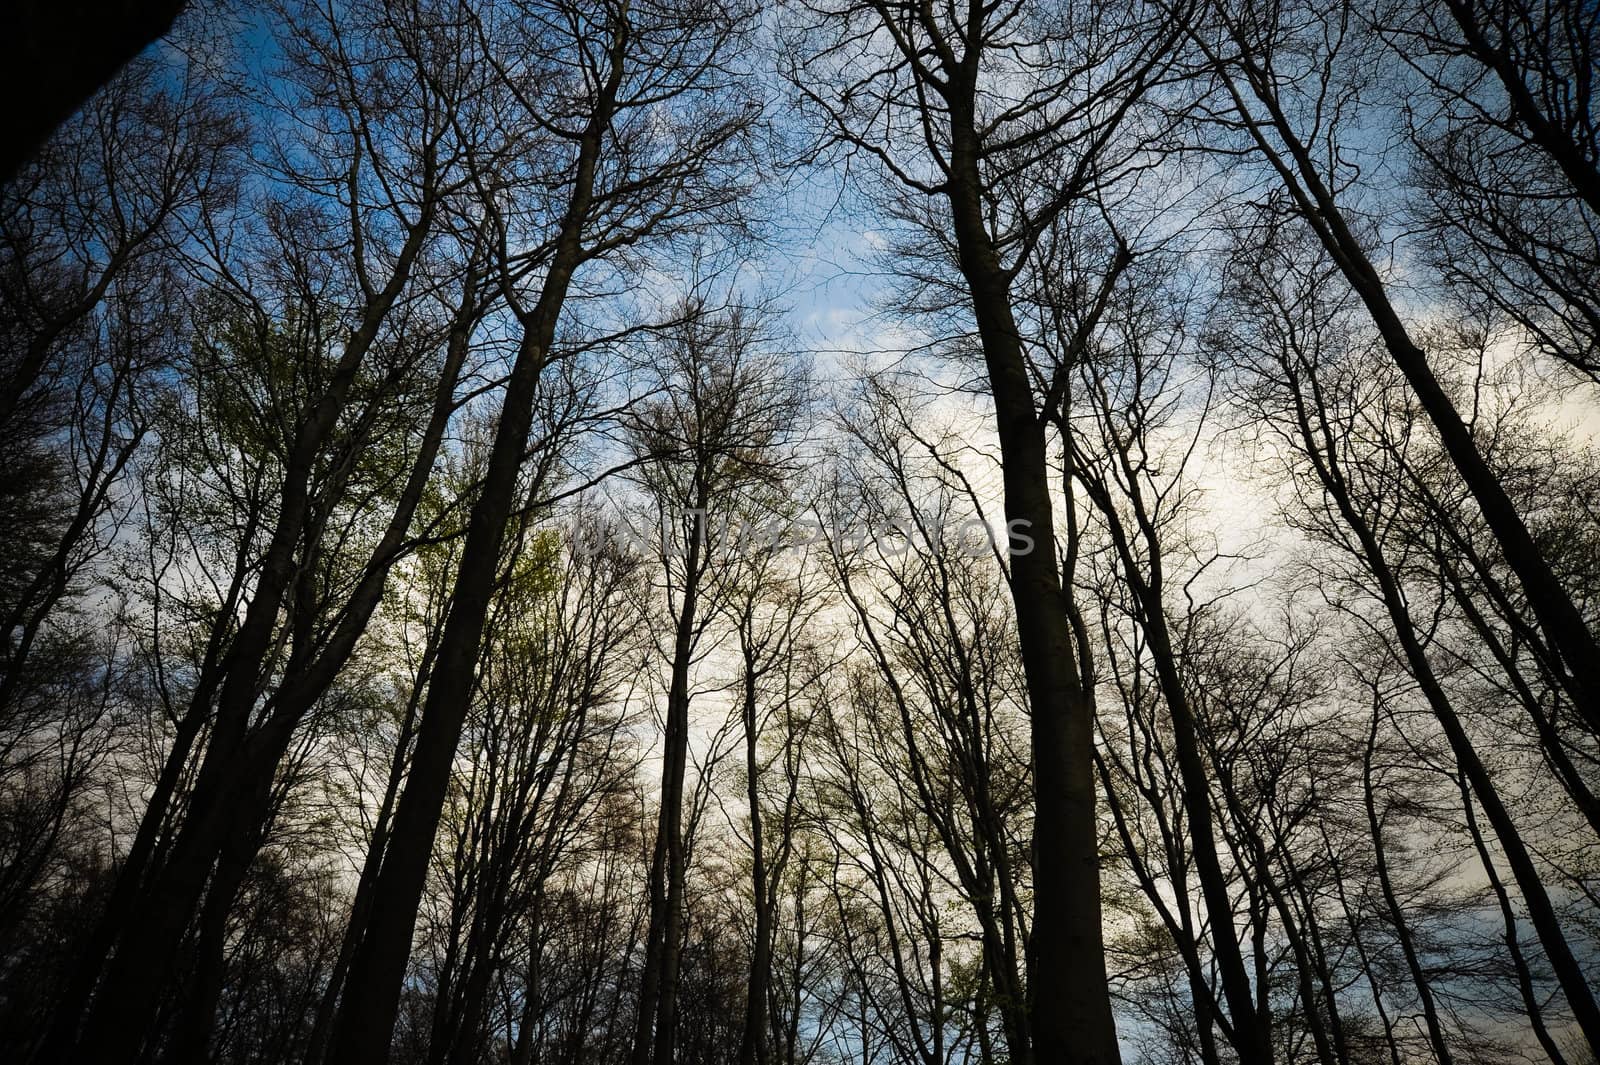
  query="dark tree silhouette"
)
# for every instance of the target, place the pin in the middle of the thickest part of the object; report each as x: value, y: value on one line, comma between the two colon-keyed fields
x: 58, y: 55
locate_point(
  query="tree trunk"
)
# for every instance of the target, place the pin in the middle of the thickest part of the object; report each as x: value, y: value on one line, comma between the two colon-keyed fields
x: 1530, y: 998
x: 753, y: 1041
x: 361, y: 904
x: 1391, y: 902
x: 670, y: 823
x: 364, y: 1027
x: 1069, y: 996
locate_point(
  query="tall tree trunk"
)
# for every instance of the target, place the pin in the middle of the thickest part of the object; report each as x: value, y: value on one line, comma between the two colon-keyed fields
x: 530, y: 1018
x: 1530, y: 997
x: 670, y: 844
x: 1391, y: 902
x: 1180, y: 925
x: 361, y: 904
x: 1352, y: 918
x: 366, y: 1018
x: 364, y: 1027
x: 196, y: 1014
x: 1317, y: 954
x: 753, y: 1040
x: 1068, y: 991
x: 650, y: 969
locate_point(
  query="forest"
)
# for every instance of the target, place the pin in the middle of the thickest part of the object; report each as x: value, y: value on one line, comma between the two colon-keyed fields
x: 823, y: 532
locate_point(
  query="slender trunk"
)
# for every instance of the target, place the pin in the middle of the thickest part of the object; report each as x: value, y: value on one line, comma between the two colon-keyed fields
x: 464, y: 1037
x: 1304, y: 966
x: 532, y: 1012
x: 650, y: 970
x: 1318, y: 956
x: 361, y: 904
x: 1569, y: 973
x: 1145, y: 581
x: 670, y: 825
x: 1068, y: 990
x: 1204, y: 1035
x: 1550, y: 738
x: 366, y: 1018
x: 364, y: 1027
x: 191, y: 1043
x: 1391, y: 902
x: 465, y: 1043
x: 1250, y: 1036
x: 1353, y: 920
x: 1180, y: 925
x: 791, y: 1033
x: 753, y: 1042
x: 1530, y: 997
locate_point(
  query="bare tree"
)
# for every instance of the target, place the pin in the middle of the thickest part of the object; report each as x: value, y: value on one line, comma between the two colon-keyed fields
x: 1302, y: 373
x: 1285, y: 123
x: 717, y: 437
x: 321, y: 441
x: 994, y: 121
x: 626, y: 171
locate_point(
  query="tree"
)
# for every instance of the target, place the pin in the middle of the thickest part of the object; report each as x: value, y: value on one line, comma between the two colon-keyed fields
x: 927, y: 97
x: 1239, y: 51
x: 717, y: 438
x: 1309, y: 376
x: 625, y: 178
